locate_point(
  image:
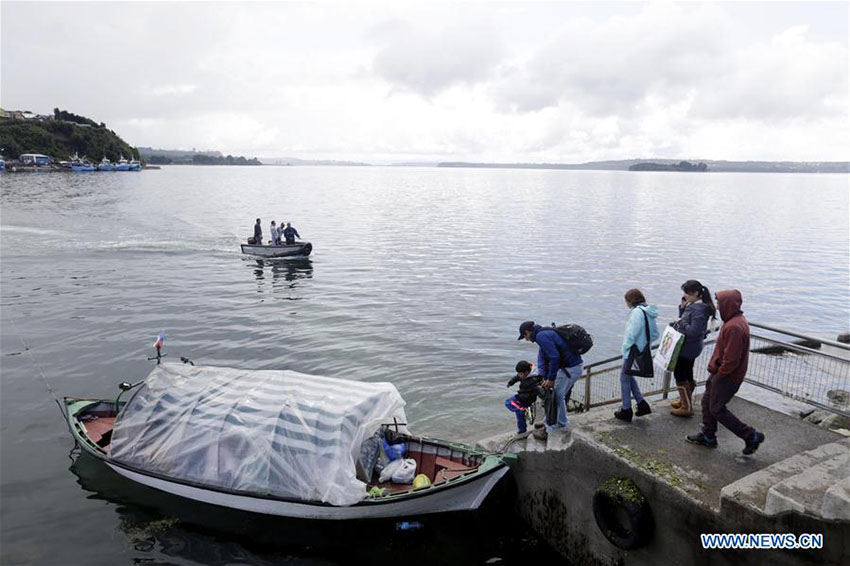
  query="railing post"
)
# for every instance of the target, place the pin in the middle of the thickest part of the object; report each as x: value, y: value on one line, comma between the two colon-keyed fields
x: 587, y: 404
x: 665, y: 384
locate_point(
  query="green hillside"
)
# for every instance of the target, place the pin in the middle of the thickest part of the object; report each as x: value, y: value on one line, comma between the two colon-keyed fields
x: 61, y: 137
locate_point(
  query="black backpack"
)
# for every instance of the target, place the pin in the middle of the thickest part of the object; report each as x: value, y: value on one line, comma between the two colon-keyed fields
x: 576, y: 337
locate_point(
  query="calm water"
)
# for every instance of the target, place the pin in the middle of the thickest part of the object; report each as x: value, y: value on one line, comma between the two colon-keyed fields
x: 419, y: 276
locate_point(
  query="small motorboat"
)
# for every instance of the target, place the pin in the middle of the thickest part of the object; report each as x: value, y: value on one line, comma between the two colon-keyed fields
x: 279, y: 443
x: 300, y: 249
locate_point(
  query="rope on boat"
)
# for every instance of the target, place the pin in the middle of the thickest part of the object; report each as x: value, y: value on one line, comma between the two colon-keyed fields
x: 28, y: 350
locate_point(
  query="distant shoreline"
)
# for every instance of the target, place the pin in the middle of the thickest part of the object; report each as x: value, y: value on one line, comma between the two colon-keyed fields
x: 666, y: 165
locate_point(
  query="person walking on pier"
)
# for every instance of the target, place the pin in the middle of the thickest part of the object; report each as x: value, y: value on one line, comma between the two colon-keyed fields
x: 560, y: 367
x: 641, y: 318
x: 694, y: 312
x: 727, y: 369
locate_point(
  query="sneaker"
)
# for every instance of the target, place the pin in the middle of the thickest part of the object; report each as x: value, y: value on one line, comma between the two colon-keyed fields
x: 540, y: 434
x: 623, y: 415
x: 643, y: 409
x: 753, y: 443
x: 701, y: 439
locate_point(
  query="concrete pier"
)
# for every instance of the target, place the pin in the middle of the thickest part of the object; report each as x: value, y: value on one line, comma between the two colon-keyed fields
x: 797, y: 482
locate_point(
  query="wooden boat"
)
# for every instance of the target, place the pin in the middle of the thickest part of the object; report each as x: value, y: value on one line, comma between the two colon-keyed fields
x: 296, y: 465
x: 300, y: 249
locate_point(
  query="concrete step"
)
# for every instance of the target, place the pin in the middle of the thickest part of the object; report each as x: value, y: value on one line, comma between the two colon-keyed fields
x: 806, y: 492
x: 836, y: 501
x: 752, y: 490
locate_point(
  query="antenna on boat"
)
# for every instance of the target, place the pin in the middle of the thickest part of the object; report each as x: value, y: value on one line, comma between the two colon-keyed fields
x: 160, y: 341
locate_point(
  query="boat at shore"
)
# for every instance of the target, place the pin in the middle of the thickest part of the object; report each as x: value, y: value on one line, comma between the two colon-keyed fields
x: 105, y: 165
x: 300, y: 249
x: 122, y: 165
x: 279, y: 443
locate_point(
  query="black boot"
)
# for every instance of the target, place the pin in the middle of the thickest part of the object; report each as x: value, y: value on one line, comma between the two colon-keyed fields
x: 623, y: 415
x: 753, y: 443
x: 643, y: 408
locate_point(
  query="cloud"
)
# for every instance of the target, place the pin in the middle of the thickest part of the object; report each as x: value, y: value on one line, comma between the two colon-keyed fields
x: 679, y: 54
x: 427, y: 61
x: 167, y: 90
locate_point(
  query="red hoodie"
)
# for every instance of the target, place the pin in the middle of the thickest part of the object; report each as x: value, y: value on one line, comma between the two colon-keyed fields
x: 732, y: 349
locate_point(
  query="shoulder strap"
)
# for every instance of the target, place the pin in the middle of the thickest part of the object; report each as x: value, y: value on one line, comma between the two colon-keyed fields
x: 646, y: 326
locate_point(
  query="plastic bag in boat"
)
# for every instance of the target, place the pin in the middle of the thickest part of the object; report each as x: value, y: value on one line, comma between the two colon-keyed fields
x: 272, y: 433
x: 405, y: 472
x: 402, y: 471
x: 395, y: 451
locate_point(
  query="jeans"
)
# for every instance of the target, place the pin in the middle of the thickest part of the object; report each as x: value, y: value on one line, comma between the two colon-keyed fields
x: 629, y: 388
x: 564, y: 382
x: 514, y: 406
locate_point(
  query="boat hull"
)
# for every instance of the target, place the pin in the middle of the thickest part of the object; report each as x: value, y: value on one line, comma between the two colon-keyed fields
x: 302, y: 249
x: 465, y: 496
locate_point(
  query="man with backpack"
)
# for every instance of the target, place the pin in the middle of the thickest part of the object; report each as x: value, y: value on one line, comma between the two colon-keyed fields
x: 560, y: 365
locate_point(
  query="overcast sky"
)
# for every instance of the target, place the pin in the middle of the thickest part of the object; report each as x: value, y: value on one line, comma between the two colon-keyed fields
x: 399, y: 81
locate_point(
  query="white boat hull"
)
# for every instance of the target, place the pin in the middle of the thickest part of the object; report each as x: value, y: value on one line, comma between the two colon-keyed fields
x: 302, y: 249
x: 464, y: 496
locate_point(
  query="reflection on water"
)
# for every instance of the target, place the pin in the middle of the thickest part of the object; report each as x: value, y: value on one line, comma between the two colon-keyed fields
x: 282, y: 272
x: 157, y: 523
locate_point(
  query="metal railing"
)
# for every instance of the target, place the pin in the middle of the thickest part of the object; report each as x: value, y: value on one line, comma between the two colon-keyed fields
x: 778, y: 364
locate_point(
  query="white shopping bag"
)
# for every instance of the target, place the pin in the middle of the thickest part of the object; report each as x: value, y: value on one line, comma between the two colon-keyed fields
x: 668, y: 349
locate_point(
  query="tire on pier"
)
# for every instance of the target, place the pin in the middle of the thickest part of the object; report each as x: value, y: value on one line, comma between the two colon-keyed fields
x: 623, y: 514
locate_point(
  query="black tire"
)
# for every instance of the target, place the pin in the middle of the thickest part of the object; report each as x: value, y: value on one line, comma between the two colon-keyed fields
x: 626, y: 522
x: 307, y: 249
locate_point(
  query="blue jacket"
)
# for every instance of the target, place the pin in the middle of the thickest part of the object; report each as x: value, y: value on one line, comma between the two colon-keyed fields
x: 635, y: 329
x: 693, y: 322
x: 554, y: 353
x: 290, y: 232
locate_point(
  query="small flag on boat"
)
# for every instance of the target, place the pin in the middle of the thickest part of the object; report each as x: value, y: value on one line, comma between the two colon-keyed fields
x: 160, y: 340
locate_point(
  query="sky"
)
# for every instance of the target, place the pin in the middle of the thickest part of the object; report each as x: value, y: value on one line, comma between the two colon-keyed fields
x: 387, y: 82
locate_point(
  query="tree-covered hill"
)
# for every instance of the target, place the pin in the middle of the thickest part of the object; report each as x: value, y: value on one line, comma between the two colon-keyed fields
x: 61, y: 137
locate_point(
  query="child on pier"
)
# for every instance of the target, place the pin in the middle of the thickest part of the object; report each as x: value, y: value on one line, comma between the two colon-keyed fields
x: 529, y: 391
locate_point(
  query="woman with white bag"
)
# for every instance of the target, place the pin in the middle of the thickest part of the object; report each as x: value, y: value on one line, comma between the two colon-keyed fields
x: 694, y: 311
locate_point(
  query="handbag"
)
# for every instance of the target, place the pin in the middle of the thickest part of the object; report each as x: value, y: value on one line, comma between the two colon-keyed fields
x: 668, y: 350
x: 639, y: 363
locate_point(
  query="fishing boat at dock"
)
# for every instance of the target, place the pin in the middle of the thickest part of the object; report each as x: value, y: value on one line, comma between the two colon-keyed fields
x: 122, y: 165
x: 277, y: 442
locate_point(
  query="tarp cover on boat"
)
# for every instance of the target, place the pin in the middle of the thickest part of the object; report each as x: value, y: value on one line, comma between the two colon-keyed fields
x: 273, y: 432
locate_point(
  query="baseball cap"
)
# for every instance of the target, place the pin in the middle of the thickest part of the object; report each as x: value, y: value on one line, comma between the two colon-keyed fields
x: 525, y: 326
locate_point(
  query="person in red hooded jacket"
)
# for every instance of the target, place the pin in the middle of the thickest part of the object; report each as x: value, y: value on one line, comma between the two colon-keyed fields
x: 727, y: 368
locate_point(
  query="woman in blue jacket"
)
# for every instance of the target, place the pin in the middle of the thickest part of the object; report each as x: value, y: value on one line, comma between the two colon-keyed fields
x: 636, y: 335
x: 694, y: 312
